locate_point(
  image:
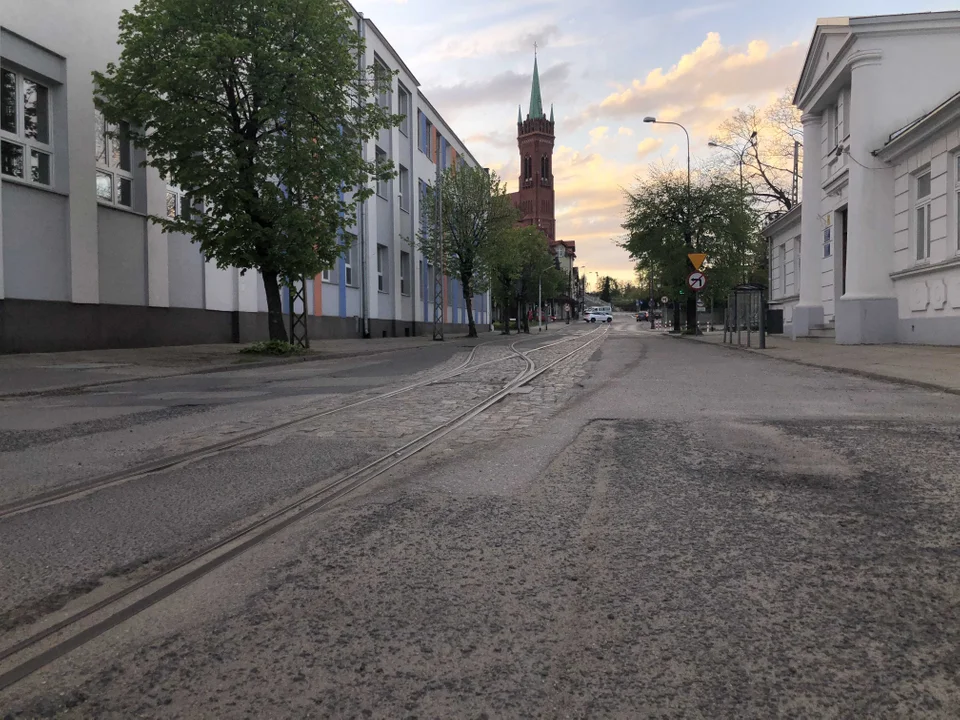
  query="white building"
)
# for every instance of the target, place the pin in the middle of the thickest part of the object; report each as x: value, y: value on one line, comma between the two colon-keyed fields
x: 873, y: 255
x: 81, y: 266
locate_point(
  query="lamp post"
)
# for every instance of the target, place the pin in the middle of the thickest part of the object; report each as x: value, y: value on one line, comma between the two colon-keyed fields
x: 582, y: 290
x: 540, y: 300
x: 743, y: 200
x: 691, y: 302
x: 653, y: 323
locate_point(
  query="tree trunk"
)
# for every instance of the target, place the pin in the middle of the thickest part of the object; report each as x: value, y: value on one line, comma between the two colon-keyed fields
x: 271, y: 286
x: 676, y: 316
x: 468, y: 300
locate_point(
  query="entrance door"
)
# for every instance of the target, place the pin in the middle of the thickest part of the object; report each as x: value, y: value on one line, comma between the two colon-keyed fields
x: 842, y: 215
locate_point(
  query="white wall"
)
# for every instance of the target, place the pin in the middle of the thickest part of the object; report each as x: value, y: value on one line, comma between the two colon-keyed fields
x: 929, y: 288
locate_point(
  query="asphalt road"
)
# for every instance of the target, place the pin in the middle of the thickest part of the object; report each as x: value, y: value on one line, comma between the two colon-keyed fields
x: 664, y: 529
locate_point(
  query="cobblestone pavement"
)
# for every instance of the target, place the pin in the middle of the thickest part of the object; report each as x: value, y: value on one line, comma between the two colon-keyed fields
x: 682, y: 532
x: 155, y: 519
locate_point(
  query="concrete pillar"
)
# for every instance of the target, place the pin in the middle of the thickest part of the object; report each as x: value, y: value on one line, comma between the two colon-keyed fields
x: 867, y: 312
x: 808, y: 312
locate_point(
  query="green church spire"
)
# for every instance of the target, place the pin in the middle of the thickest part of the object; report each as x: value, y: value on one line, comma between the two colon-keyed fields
x: 519, y: 115
x: 551, y: 112
x: 536, y: 102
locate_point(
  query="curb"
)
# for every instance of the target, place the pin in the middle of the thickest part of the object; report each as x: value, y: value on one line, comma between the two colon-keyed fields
x: 870, y: 375
x: 63, y: 390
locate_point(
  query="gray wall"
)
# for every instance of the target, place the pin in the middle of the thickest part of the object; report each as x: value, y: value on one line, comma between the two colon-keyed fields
x: 122, y: 256
x: 186, y: 271
x: 36, y: 256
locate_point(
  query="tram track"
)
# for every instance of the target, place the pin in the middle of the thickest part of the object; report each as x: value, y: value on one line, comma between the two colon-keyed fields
x: 83, y: 487
x: 43, y: 647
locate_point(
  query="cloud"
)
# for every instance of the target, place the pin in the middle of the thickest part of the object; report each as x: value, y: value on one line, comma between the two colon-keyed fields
x: 504, y: 39
x: 647, y: 146
x: 711, y: 75
x: 492, y: 90
x: 597, y: 134
x: 625, y: 131
x: 690, y: 13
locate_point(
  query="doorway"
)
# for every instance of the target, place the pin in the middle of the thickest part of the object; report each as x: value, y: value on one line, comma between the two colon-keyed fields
x: 842, y: 219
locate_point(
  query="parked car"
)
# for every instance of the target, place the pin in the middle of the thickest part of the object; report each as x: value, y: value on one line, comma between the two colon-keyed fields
x: 597, y: 316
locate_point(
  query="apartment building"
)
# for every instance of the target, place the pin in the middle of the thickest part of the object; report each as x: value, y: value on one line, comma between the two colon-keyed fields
x: 82, y: 267
x: 872, y: 254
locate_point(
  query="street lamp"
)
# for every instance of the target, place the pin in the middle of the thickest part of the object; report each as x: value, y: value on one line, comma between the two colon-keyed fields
x: 751, y: 142
x: 687, y: 232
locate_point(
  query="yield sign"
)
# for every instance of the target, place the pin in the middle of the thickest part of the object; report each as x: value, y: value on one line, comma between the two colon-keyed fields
x: 697, y: 260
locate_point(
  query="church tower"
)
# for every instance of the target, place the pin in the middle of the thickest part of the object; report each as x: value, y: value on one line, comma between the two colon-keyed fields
x: 535, y: 197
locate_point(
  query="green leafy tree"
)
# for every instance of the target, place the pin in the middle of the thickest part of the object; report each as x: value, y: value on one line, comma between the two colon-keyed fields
x: 721, y: 223
x: 475, y: 209
x: 257, y: 110
x: 520, y: 264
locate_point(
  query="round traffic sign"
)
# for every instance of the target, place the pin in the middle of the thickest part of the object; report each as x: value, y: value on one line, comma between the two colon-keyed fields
x: 664, y: 299
x: 697, y: 281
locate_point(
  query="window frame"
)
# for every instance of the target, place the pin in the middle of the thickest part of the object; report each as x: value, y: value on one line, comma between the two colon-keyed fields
x: 179, y: 199
x: 403, y: 108
x: 113, y: 134
x: 29, y: 147
x: 383, y: 186
x: 348, y: 260
x: 956, y: 199
x: 405, y: 269
x: 796, y: 264
x: 382, y: 262
x: 381, y: 72
x: 403, y: 179
x: 921, y: 215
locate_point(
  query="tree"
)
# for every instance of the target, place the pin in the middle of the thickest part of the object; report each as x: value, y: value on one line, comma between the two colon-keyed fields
x: 767, y: 156
x: 520, y: 262
x: 475, y: 209
x: 256, y: 109
x: 719, y: 221
x: 605, y: 290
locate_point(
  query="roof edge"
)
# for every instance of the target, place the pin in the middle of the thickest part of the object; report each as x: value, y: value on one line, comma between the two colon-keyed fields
x: 782, y: 221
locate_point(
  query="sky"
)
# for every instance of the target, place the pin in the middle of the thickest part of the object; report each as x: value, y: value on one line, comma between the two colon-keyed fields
x: 604, y: 65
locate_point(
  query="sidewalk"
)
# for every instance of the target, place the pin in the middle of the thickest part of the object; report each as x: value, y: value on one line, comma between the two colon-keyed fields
x: 928, y: 366
x: 57, y: 373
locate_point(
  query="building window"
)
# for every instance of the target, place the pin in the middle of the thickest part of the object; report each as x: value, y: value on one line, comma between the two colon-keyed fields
x: 956, y: 197
x: 328, y: 276
x: 922, y: 216
x: 426, y: 135
x: 178, y: 204
x: 403, y: 108
x: 404, y: 178
x: 381, y: 268
x: 796, y: 266
x: 782, y: 270
x: 26, y: 151
x: 384, y: 80
x: 349, y: 256
x: 383, y: 186
x: 114, y: 166
x: 404, y: 273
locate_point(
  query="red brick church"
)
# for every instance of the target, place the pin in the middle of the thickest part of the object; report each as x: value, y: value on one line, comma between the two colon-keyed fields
x: 535, y: 197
